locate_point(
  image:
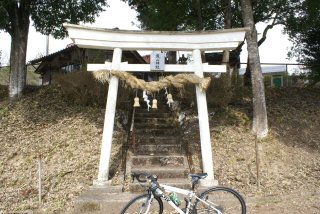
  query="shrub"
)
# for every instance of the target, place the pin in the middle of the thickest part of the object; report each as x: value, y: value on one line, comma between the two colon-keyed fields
x: 81, y: 88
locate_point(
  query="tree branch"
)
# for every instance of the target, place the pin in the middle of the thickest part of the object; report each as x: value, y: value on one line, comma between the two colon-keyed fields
x: 270, y: 26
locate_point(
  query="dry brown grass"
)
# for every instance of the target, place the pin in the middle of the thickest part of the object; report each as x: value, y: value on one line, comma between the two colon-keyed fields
x: 290, y: 167
x: 68, y: 137
x: 81, y: 88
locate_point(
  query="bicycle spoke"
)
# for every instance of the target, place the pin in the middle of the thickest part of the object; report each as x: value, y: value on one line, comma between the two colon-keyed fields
x: 220, y: 201
x: 142, y: 205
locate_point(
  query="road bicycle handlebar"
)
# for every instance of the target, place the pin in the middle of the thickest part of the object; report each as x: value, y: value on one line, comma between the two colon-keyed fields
x: 147, y: 177
x: 151, y: 179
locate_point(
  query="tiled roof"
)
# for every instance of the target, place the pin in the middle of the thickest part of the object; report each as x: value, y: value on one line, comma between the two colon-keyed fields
x: 68, y: 48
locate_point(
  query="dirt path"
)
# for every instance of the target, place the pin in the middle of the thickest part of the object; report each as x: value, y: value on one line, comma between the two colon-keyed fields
x: 303, y: 202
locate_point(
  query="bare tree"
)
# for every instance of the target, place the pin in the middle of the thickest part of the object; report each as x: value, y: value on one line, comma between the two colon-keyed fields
x: 260, y: 120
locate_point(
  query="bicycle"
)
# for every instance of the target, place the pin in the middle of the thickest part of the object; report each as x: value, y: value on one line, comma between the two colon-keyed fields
x: 216, y: 200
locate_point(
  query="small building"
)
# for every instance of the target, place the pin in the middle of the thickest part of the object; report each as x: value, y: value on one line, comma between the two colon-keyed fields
x: 215, y: 58
x: 274, y: 76
x: 73, y: 58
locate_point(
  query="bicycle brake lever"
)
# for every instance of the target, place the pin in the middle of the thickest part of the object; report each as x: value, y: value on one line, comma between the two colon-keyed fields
x: 133, y: 175
x: 138, y: 177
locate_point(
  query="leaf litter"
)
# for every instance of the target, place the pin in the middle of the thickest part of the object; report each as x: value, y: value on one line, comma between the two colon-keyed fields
x: 67, y: 137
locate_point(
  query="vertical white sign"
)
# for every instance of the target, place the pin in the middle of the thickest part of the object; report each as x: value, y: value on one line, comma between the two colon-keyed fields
x: 157, y: 60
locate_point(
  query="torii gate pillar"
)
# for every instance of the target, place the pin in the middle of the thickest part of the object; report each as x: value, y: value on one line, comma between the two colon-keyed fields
x: 206, y: 150
x: 109, y: 116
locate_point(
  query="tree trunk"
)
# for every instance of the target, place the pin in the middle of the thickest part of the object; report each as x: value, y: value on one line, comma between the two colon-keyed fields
x: 226, y: 78
x: 260, y: 120
x: 227, y: 25
x: 19, y: 40
x: 197, y: 6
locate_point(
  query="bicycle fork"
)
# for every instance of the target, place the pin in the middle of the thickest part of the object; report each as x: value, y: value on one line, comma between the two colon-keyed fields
x: 145, y: 207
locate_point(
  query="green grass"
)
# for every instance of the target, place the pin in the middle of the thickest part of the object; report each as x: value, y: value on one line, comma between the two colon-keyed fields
x: 32, y: 78
x: 4, y: 76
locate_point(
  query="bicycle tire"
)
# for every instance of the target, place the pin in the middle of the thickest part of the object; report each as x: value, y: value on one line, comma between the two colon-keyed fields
x: 135, y: 205
x: 224, y: 199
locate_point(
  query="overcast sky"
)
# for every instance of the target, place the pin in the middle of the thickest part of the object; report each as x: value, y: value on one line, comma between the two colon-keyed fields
x: 273, y: 50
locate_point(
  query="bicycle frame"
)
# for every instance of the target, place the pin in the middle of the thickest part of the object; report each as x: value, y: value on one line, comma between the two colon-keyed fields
x: 191, y: 194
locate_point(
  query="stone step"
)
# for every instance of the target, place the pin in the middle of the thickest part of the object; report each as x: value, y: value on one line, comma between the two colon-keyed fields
x: 176, y: 182
x: 162, y: 107
x: 160, y: 149
x: 99, y: 200
x: 156, y: 132
x: 159, y: 160
x: 154, y: 120
x: 102, y: 202
x: 183, y: 183
x: 153, y: 114
x: 158, y: 140
x: 163, y: 171
x: 156, y: 125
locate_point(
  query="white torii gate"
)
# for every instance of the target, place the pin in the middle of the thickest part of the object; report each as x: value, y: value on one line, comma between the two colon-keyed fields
x: 118, y: 40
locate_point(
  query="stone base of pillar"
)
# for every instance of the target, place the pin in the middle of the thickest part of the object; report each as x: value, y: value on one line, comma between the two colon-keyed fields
x: 208, y: 183
x: 101, y: 183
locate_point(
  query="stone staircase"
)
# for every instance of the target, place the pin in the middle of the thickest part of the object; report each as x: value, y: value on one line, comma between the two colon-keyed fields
x: 158, y: 148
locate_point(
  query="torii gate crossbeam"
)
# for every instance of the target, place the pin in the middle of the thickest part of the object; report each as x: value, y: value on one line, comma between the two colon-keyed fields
x: 118, y: 40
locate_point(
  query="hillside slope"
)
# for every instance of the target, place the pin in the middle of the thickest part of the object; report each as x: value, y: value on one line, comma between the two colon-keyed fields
x: 68, y: 137
x: 290, y: 160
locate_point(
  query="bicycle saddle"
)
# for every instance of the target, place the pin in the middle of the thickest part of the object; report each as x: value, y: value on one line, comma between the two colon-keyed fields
x: 198, y: 175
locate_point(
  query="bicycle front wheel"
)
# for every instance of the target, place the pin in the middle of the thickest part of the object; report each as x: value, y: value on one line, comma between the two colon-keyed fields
x: 143, y: 204
x: 220, y: 200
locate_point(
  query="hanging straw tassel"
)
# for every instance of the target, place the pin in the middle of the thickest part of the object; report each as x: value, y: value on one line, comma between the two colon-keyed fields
x: 170, y: 100
x: 136, y: 100
x: 154, y: 103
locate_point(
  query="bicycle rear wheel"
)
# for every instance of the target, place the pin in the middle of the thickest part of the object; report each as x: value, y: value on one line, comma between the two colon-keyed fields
x: 139, y: 205
x: 220, y: 200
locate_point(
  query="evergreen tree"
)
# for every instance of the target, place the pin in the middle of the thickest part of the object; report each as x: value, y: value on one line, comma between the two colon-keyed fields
x: 304, y: 31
